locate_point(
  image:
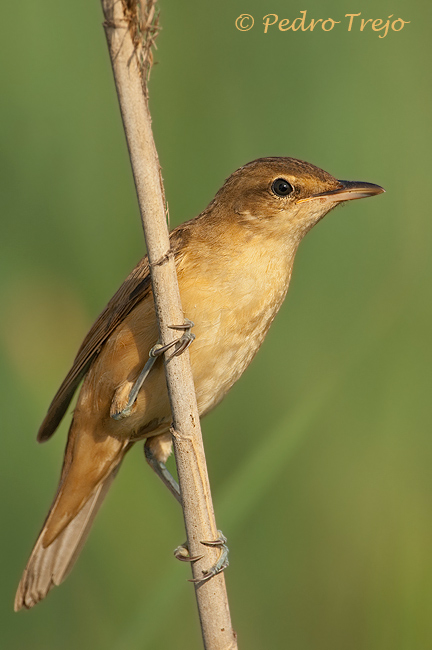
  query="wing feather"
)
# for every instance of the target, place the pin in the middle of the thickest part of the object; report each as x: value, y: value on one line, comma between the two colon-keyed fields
x: 134, y: 289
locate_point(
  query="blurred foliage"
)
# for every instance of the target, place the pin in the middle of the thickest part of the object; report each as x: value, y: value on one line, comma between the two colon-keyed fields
x: 320, y: 457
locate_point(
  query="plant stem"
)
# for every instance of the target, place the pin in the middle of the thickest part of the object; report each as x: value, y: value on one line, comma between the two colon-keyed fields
x: 130, y: 74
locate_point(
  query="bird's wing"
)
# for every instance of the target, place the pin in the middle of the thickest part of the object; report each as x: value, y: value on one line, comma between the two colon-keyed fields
x: 134, y: 289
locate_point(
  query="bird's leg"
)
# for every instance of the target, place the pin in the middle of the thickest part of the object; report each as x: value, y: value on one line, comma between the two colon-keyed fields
x: 157, y: 350
x: 182, y: 551
x: 126, y: 411
x: 162, y: 471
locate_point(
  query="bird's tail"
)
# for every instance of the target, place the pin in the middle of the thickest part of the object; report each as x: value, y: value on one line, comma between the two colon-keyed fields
x: 67, y: 525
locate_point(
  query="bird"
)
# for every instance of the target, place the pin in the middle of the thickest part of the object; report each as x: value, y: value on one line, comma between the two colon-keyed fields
x: 234, y: 263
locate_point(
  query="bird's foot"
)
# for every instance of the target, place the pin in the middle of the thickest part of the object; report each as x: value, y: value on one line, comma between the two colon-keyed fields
x: 222, y: 563
x: 182, y: 343
x: 182, y: 554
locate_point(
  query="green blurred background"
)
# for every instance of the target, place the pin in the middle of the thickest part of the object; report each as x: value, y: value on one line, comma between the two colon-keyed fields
x: 320, y: 457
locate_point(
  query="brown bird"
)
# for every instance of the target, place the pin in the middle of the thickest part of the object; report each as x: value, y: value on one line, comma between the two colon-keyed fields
x: 234, y: 264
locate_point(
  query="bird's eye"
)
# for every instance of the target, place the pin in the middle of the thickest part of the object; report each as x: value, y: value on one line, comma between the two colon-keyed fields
x: 281, y: 187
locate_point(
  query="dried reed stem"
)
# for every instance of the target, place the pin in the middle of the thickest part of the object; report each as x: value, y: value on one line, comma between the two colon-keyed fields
x: 131, y: 27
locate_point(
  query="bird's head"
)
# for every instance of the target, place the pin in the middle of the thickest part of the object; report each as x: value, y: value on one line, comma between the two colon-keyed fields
x: 285, y: 196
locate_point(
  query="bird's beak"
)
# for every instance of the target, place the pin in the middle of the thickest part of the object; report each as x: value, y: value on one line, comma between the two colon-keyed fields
x: 348, y: 191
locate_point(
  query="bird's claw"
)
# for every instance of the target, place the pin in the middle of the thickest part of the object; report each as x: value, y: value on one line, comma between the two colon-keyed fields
x: 183, y: 342
x: 182, y: 553
x: 157, y: 350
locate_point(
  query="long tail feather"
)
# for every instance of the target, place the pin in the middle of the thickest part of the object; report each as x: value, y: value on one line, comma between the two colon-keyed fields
x: 49, y: 566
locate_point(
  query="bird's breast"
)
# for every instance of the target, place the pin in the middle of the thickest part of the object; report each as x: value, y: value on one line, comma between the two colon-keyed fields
x: 232, y: 303
x: 232, y: 309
